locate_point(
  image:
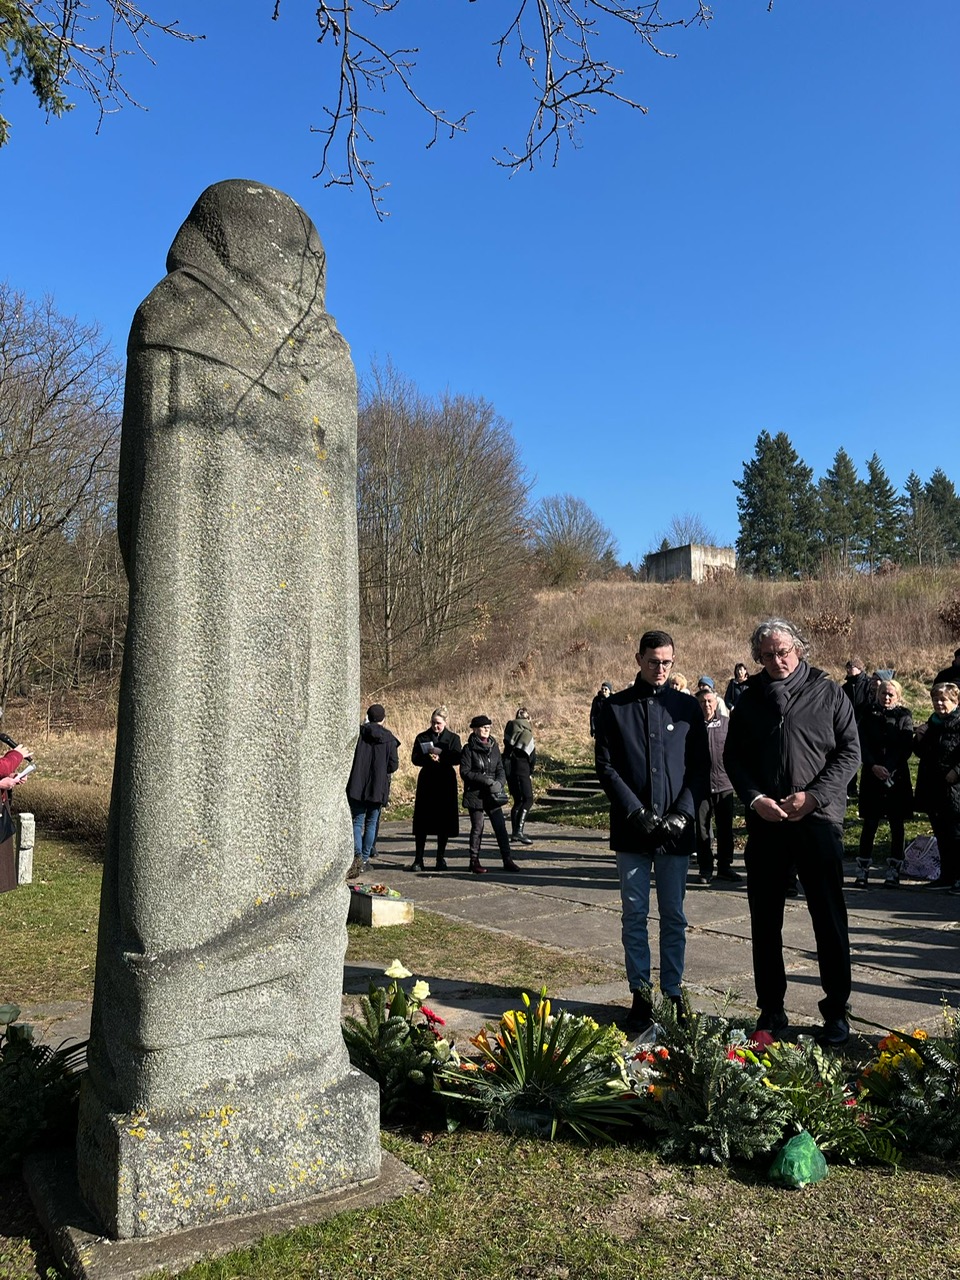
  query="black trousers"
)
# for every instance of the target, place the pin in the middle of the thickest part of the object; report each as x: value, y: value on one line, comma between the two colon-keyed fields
x: 499, y: 826
x: 520, y: 785
x: 815, y: 847
x: 716, y: 809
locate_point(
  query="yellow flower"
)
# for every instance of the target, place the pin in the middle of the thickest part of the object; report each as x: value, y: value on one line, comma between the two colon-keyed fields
x: 397, y: 970
x: 420, y: 991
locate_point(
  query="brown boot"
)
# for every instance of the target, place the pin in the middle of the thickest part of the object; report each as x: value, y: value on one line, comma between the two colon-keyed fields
x: 475, y: 866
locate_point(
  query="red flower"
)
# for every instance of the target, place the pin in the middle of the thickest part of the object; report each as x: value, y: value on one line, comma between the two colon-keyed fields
x: 432, y: 1017
x: 761, y: 1039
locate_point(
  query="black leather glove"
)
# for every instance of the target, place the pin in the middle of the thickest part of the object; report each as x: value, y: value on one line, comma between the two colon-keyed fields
x: 672, y: 827
x: 644, y: 821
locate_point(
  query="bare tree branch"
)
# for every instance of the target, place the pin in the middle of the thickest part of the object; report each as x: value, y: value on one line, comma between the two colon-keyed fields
x: 560, y: 44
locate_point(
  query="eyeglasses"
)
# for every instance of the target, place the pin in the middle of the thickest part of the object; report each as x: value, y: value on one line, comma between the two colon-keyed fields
x: 657, y: 662
x: 779, y: 654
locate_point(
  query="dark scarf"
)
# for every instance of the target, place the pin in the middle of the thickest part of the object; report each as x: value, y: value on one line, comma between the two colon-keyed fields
x: 779, y: 692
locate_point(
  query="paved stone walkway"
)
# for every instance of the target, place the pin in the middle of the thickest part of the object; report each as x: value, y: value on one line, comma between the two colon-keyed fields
x: 906, y: 942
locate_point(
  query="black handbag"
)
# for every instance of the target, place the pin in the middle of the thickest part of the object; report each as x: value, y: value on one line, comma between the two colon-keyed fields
x: 498, y: 795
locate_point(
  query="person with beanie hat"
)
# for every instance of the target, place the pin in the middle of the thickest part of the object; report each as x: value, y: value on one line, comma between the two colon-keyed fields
x: 484, y: 792
x: 375, y: 758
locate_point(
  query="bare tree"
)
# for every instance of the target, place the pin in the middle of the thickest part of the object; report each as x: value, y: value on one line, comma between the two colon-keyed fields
x: 570, y: 542
x: 686, y: 529
x: 441, y: 515
x: 562, y: 46
x: 59, y: 426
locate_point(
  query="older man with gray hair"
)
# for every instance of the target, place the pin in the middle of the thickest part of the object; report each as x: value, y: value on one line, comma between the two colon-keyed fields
x: 791, y: 749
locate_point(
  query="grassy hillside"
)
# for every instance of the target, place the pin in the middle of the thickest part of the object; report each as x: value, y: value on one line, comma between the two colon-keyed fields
x: 554, y: 656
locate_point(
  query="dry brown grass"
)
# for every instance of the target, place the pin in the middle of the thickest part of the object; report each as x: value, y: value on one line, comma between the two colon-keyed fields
x: 554, y: 658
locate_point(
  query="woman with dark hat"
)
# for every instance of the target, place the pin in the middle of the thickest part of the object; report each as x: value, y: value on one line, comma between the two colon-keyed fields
x: 436, y: 753
x: 484, y: 792
x: 519, y: 759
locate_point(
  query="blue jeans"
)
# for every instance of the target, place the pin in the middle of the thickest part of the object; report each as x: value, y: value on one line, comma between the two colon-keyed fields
x: 366, y: 819
x: 670, y: 872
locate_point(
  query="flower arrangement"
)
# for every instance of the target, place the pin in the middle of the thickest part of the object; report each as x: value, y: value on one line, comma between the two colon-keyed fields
x: 916, y: 1079
x: 706, y: 1098
x: 700, y: 1088
x: 540, y: 1072
x: 397, y: 1041
x: 375, y: 891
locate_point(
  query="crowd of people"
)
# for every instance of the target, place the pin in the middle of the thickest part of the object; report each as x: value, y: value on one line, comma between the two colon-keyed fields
x: 492, y: 778
x: 787, y: 742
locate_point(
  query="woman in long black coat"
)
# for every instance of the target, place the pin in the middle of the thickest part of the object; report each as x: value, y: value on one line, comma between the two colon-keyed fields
x: 484, y: 792
x: 938, y: 780
x: 436, y: 811
x: 886, y: 792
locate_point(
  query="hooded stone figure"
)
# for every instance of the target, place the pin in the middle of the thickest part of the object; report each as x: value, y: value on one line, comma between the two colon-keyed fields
x: 222, y: 928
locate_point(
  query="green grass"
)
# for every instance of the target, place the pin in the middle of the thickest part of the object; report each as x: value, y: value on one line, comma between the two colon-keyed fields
x: 48, y: 929
x: 503, y: 1209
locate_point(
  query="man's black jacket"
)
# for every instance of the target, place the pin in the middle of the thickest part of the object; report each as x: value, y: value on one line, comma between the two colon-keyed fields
x: 651, y: 750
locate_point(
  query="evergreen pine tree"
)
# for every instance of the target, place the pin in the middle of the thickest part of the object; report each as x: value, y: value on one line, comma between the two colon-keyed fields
x: 944, y: 502
x: 843, y: 503
x: 779, y: 510
x: 881, y: 516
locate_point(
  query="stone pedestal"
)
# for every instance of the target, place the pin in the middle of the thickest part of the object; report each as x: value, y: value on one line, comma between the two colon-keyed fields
x: 371, y: 909
x: 238, y: 1150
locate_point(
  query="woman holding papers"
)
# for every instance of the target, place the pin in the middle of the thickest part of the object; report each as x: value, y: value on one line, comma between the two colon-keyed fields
x: 436, y: 809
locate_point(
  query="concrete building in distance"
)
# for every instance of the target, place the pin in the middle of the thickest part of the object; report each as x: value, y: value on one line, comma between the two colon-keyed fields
x: 692, y: 563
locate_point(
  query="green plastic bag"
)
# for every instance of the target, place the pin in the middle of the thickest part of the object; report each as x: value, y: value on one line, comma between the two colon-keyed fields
x: 799, y: 1162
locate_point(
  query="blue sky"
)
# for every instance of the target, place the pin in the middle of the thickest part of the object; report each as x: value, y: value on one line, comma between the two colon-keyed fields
x: 773, y: 246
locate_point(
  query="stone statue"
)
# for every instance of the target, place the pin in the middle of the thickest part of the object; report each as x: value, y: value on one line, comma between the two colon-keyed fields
x: 219, y: 1083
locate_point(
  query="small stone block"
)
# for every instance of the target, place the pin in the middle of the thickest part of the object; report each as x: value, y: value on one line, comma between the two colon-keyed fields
x: 371, y: 909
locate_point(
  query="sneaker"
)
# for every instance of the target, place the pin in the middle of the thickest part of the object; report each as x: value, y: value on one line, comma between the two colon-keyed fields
x: 834, y: 1033
x: 861, y: 881
x: 728, y: 874
x: 772, y: 1020
x: 892, y: 879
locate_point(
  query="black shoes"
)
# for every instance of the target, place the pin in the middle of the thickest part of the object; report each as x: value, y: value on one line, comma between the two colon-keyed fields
x: 728, y: 873
x: 772, y: 1021
x: 416, y: 865
x: 640, y: 1017
x: 441, y: 862
x: 834, y: 1033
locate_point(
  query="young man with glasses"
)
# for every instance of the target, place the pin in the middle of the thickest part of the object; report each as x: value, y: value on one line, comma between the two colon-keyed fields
x: 791, y: 749
x: 653, y: 762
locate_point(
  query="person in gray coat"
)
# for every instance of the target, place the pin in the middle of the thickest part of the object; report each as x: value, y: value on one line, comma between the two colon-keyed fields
x: 792, y: 747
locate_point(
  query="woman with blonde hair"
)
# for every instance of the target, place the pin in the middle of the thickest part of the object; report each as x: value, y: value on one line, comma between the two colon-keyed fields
x: 436, y: 810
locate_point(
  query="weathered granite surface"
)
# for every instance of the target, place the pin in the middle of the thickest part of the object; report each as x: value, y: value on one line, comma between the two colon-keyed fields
x: 218, y: 1074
